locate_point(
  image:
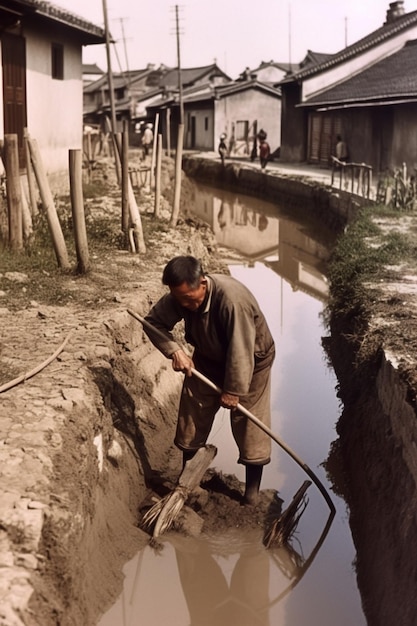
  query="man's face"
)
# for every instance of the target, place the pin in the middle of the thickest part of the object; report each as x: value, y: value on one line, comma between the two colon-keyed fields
x: 188, y: 297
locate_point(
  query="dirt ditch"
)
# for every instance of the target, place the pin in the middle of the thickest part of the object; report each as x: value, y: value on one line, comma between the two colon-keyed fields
x: 86, y: 442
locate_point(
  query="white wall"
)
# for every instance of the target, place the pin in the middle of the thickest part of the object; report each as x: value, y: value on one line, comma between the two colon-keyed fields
x: 342, y: 71
x: 54, y: 107
x: 250, y: 105
x: 203, y: 135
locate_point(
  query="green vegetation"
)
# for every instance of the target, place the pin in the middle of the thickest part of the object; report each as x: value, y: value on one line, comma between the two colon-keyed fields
x: 398, y: 190
x: 364, y: 254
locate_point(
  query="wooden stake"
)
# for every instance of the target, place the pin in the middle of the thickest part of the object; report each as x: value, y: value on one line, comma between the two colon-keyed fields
x: 168, y: 132
x: 158, y: 176
x: 178, y: 172
x: 125, y: 179
x: 133, y: 208
x: 77, y: 206
x: 33, y: 200
x: 49, y: 206
x: 27, y: 225
x: 14, y: 192
x: 153, y: 156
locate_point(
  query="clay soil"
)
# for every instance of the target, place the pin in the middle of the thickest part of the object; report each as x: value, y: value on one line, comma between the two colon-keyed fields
x: 109, y: 382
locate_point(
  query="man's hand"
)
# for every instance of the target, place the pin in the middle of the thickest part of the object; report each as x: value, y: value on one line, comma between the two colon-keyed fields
x: 181, y: 362
x: 229, y: 401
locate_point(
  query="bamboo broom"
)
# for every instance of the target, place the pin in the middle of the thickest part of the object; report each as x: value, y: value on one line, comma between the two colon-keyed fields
x: 164, y: 513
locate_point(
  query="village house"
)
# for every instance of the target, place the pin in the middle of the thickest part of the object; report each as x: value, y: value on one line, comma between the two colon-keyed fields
x: 268, y: 72
x: 41, y: 50
x: 238, y: 109
x: 367, y: 93
x: 195, y: 80
x: 129, y: 87
x: 91, y: 73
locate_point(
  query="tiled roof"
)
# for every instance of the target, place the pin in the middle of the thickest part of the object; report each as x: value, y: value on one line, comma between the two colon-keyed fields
x: 49, y: 11
x: 286, y: 67
x: 190, y: 75
x: 395, y: 77
x: 314, y: 58
x: 92, y: 68
x: 237, y: 86
x: 384, y: 33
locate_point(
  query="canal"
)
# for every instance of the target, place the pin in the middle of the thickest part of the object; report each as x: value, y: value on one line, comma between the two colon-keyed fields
x: 218, y: 581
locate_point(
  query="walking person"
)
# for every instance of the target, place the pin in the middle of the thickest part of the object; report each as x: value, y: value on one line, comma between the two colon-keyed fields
x: 147, y: 139
x: 264, y: 149
x: 222, y: 147
x: 233, y: 347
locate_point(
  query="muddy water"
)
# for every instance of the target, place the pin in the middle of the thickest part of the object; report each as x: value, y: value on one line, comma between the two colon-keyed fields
x: 234, y: 579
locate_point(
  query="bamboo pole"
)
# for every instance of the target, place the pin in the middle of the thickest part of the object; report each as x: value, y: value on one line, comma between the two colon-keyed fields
x: 77, y: 207
x: 125, y: 178
x: 109, y: 70
x: 168, y: 132
x: 23, y: 377
x: 14, y: 191
x: 158, y: 176
x: 153, y: 156
x: 27, y: 225
x: 30, y: 177
x: 133, y: 207
x: 178, y: 172
x: 116, y: 153
x: 49, y: 206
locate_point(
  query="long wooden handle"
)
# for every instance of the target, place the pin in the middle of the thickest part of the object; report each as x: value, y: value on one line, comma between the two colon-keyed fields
x: 250, y: 416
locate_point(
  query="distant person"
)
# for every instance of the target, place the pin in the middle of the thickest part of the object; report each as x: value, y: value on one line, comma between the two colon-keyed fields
x: 341, y: 150
x: 264, y: 149
x: 223, y: 147
x: 147, y: 139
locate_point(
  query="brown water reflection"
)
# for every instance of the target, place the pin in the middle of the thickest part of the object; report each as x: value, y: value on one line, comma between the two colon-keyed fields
x: 224, y: 580
x: 261, y: 232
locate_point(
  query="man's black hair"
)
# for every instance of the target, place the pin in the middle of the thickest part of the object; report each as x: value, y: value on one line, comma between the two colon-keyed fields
x: 183, y: 269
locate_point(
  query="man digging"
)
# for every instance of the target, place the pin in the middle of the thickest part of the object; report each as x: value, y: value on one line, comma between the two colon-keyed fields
x: 233, y: 347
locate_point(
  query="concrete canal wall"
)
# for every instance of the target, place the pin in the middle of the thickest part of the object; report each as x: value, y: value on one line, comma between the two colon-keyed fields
x: 333, y: 206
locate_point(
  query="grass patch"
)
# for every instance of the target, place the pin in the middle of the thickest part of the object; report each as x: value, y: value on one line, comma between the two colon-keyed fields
x: 362, y: 255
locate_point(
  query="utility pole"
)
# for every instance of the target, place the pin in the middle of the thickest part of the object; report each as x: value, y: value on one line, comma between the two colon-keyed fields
x: 125, y: 51
x: 346, y: 32
x: 109, y: 70
x: 289, y: 34
x: 179, y: 65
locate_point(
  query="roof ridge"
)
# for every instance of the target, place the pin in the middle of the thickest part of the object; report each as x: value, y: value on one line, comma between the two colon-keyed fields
x: 380, y: 34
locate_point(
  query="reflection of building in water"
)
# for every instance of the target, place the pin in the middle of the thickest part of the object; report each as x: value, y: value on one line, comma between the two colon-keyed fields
x: 277, y: 241
x: 301, y: 261
x: 211, y: 598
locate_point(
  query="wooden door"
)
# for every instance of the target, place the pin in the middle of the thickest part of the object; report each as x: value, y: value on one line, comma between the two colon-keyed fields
x: 323, y: 130
x: 14, y: 88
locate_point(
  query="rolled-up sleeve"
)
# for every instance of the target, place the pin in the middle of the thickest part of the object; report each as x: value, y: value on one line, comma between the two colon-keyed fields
x: 164, y: 315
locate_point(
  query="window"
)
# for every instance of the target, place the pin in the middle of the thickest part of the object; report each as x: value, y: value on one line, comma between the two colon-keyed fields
x: 242, y: 130
x: 206, y: 123
x: 57, y: 57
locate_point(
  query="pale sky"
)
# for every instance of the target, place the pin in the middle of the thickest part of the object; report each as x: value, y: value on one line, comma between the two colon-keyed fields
x: 234, y: 33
